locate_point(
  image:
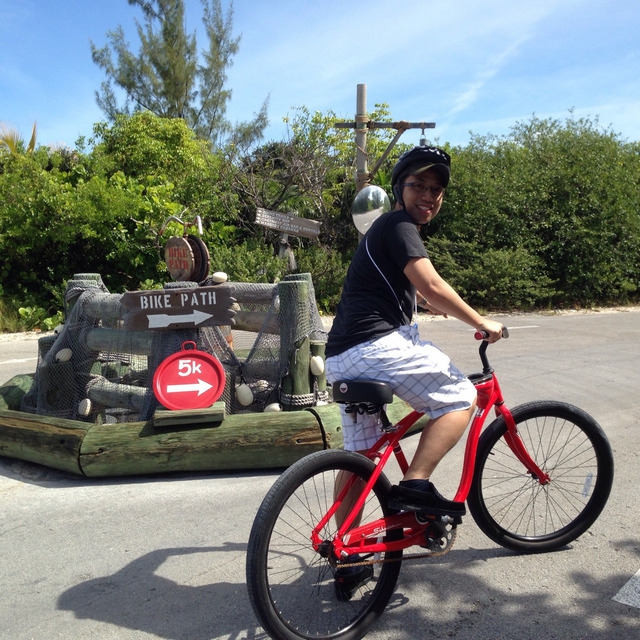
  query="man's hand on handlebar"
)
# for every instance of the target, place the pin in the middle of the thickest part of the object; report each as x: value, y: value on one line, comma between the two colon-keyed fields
x: 492, y: 331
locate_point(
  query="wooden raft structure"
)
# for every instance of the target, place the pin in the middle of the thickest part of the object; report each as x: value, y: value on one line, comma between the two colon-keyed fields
x: 176, y: 441
x: 184, y: 440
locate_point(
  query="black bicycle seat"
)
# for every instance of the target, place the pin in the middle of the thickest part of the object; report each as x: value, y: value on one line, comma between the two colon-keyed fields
x: 370, y: 391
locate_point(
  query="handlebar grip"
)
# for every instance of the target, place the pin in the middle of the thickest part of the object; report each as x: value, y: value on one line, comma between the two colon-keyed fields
x: 483, y: 335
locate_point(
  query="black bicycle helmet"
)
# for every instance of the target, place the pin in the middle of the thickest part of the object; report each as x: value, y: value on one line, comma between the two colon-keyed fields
x: 416, y: 161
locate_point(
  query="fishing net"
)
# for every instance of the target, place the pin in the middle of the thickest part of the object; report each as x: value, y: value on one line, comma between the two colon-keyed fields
x: 93, y: 369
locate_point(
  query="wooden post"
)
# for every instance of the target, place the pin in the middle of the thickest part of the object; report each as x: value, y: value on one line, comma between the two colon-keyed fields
x: 78, y: 283
x: 363, y: 124
x: 294, y: 313
x: 363, y: 178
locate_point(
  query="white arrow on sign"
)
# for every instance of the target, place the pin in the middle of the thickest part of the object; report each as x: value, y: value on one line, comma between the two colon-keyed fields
x: 196, y: 317
x: 201, y: 386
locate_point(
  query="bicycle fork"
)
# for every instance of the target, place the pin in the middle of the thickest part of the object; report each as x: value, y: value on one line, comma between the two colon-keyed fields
x: 512, y: 438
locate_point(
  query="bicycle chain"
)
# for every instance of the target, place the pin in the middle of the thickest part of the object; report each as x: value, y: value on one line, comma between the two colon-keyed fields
x: 413, y: 556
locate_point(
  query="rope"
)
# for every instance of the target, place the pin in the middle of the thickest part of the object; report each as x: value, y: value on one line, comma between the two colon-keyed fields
x: 306, y: 400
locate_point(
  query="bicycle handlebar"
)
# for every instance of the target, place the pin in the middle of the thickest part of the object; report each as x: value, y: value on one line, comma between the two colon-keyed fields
x: 483, y: 335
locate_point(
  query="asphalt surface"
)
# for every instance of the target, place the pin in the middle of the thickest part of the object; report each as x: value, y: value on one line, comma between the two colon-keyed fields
x: 164, y: 556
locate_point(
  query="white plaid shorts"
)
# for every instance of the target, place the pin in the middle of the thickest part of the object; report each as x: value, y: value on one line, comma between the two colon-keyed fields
x: 417, y: 371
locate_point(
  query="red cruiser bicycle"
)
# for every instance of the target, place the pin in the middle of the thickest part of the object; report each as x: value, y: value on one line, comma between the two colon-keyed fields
x: 534, y: 480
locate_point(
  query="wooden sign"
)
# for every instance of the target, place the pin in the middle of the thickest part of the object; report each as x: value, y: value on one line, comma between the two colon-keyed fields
x: 178, y: 308
x: 288, y: 223
x: 178, y: 255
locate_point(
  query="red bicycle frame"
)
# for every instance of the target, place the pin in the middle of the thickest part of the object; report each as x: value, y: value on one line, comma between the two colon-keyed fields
x: 367, y: 538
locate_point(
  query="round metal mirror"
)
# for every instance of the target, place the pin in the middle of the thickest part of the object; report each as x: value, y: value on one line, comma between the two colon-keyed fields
x: 370, y: 203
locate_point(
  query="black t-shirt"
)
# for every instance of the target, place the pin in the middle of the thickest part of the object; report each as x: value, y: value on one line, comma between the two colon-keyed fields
x: 377, y: 297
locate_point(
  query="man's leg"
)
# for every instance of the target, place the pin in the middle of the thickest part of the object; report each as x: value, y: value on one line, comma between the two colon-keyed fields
x: 437, y: 439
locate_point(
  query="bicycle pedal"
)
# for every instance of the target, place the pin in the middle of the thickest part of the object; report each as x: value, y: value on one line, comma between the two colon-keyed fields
x: 440, y: 538
x: 424, y: 517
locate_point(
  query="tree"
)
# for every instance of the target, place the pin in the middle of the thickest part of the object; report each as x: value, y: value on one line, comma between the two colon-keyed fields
x: 542, y: 216
x: 11, y: 141
x: 310, y: 173
x: 169, y: 78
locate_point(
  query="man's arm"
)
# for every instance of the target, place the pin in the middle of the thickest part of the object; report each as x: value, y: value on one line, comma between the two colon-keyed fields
x: 443, y: 298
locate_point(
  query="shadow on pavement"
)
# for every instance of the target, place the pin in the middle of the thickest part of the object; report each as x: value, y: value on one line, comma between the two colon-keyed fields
x: 136, y: 597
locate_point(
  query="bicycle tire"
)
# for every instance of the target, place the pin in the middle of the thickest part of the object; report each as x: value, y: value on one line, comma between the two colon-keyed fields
x: 512, y: 508
x: 291, y: 586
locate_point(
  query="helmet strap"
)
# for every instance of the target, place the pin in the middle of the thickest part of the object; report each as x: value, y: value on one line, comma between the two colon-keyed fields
x: 397, y: 193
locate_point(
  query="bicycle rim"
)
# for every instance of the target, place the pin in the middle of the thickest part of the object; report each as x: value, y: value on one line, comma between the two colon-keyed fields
x: 291, y: 586
x: 512, y: 507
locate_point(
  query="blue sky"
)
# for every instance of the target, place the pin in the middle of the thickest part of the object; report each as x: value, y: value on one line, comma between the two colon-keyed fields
x: 470, y: 65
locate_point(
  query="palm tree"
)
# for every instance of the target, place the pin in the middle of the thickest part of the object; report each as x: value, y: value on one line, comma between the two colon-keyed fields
x: 11, y: 141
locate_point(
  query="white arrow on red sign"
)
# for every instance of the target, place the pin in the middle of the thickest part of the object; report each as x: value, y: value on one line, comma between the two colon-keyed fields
x: 189, y: 379
x: 201, y: 386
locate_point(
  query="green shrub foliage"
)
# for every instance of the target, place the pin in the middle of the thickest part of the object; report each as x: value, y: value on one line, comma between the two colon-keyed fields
x: 546, y: 216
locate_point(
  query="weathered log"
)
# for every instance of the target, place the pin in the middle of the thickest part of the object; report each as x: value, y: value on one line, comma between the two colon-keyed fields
x: 105, y: 306
x: 52, y: 442
x: 255, y: 321
x: 119, y: 341
x: 240, y: 442
x: 110, y: 394
x: 253, y: 292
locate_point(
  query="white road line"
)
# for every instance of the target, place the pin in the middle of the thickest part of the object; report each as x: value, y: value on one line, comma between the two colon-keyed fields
x: 17, y: 361
x: 528, y: 326
x: 630, y: 593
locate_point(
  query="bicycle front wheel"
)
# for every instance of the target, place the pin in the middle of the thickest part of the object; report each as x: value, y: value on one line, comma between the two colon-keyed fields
x: 513, y: 508
x: 291, y: 585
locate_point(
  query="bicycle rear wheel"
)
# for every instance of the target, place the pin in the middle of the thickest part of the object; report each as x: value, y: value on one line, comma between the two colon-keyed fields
x: 292, y: 586
x: 513, y: 508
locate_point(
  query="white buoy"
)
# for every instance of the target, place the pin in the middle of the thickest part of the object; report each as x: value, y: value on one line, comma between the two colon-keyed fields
x: 316, y: 365
x: 84, y: 407
x: 219, y: 277
x: 64, y: 355
x: 244, y: 395
x: 58, y: 329
x: 274, y: 406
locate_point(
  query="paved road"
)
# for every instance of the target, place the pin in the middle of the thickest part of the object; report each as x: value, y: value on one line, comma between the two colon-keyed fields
x: 163, y: 557
x: 18, y: 354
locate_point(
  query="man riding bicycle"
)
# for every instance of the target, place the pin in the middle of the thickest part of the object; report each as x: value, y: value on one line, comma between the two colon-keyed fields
x: 373, y: 336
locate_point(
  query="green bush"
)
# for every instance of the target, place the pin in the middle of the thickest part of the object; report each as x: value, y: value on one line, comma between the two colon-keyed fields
x: 546, y: 216
x: 566, y: 195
